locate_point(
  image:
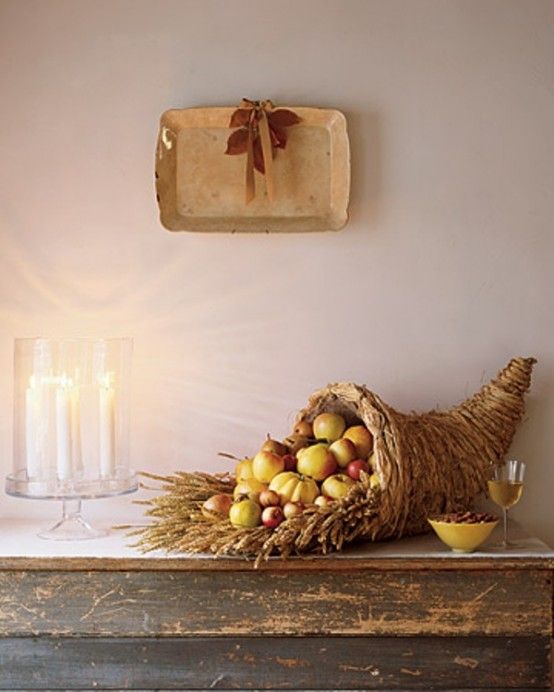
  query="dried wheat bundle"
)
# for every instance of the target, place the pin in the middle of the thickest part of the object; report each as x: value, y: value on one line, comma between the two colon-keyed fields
x: 427, y: 464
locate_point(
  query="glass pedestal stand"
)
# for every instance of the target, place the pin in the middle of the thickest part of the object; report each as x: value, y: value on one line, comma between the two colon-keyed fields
x: 72, y: 526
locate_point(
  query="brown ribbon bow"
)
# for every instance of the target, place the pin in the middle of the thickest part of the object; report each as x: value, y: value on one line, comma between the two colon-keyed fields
x: 261, y: 131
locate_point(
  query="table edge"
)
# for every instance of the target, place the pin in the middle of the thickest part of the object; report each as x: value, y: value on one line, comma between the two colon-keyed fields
x: 327, y: 564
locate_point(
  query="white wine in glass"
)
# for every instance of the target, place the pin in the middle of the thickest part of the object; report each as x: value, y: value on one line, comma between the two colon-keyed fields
x: 505, y: 489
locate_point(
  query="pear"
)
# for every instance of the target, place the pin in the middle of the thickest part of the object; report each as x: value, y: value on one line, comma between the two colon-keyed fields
x: 296, y: 442
x: 274, y: 446
x: 303, y: 428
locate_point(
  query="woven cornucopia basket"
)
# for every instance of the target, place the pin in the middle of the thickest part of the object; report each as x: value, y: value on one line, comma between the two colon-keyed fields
x: 427, y: 464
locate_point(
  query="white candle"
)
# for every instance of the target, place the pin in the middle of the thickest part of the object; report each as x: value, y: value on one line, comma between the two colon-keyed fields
x: 31, y: 429
x: 76, y: 452
x: 107, y: 427
x: 63, y: 430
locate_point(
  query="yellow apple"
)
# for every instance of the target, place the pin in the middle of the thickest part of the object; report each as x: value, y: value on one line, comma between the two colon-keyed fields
x: 336, y: 486
x: 374, y: 481
x: 316, y: 461
x: 267, y: 465
x: 292, y: 509
x: 362, y: 439
x: 243, y: 470
x: 328, y: 426
x: 323, y: 501
x: 245, y: 514
x: 344, y: 451
x: 250, y: 487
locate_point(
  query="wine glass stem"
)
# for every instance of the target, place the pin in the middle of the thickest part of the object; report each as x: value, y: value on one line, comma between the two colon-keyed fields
x: 505, y: 541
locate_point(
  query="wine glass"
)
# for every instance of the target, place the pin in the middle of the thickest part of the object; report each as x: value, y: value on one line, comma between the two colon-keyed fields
x: 505, y: 489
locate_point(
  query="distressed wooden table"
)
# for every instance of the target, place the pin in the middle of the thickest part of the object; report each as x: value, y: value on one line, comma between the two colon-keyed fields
x: 402, y: 615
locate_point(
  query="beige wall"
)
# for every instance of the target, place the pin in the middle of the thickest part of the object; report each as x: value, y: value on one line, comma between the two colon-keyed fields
x: 442, y: 274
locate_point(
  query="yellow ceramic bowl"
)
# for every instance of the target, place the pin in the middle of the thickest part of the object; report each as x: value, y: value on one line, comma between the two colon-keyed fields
x: 462, y: 538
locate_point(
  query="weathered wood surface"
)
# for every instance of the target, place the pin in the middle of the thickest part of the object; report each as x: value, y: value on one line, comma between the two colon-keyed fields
x: 138, y: 604
x: 275, y: 663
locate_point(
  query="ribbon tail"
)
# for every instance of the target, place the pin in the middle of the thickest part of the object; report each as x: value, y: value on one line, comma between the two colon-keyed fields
x: 250, y: 189
x: 267, y: 152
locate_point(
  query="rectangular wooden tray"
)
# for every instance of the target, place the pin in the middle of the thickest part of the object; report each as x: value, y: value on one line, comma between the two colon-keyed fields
x: 199, y: 188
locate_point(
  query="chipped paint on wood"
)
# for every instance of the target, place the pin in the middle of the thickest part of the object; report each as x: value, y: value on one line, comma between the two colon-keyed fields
x: 290, y: 662
x: 363, y: 603
x: 468, y: 662
x: 257, y: 663
x: 372, y: 670
x: 409, y: 671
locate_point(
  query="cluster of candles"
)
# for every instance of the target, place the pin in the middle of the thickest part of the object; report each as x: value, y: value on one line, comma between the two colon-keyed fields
x: 53, y: 435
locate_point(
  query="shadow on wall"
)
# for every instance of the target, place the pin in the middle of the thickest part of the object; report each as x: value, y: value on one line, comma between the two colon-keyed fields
x: 534, y: 445
x: 365, y: 132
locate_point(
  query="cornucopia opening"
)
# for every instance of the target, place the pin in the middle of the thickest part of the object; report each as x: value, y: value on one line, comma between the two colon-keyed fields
x: 420, y: 465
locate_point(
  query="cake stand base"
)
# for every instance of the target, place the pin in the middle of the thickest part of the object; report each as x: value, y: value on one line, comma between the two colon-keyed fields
x: 72, y: 526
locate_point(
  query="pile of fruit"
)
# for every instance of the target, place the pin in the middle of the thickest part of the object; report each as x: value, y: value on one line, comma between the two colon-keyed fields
x: 315, y: 466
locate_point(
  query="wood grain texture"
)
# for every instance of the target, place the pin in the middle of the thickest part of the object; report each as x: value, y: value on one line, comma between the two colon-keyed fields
x: 140, y: 604
x: 275, y: 663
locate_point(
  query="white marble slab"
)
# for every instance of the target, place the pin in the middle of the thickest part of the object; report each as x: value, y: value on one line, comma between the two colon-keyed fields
x: 18, y: 538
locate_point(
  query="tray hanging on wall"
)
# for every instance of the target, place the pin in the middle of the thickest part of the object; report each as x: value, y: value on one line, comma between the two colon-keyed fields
x: 199, y: 188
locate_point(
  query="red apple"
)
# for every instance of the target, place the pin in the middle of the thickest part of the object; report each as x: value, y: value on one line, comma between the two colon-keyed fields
x: 290, y: 462
x: 269, y: 498
x: 355, y: 467
x: 272, y: 517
